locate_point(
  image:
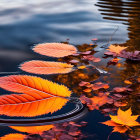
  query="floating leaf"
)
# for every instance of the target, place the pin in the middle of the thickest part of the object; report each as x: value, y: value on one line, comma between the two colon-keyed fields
x: 121, y: 89
x: 55, y: 49
x: 81, y: 67
x: 127, y: 82
x: 99, y: 85
x: 14, y: 136
x: 96, y: 101
x: 83, y: 83
x: 87, y: 90
x: 28, y: 106
x: 74, y: 61
x: 122, y: 121
x: 114, y: 60
x: 116, y: 49
x: 32, y: 85
x: 91, y: 58
x: 94, y: 39
x: 33, y: 129
x: 46, y: 67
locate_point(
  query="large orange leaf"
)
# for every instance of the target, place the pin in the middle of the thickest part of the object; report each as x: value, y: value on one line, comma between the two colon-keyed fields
x: 46, y: 67
x: 33, y: 129
x: 28, y: 106
x: 55, y: 49
x: 40, y: 96
x: 15, y: 136
x: 34, y: 86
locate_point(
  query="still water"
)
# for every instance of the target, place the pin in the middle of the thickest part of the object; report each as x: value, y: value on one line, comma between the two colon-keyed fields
x: 26, y: 23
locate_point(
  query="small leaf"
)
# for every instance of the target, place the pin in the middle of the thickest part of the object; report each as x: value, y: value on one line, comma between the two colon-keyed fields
x: 73, y: 61
x: 81, y: 67
x: 55, y: 49
x: 127, y: 82
x: 87, y: 90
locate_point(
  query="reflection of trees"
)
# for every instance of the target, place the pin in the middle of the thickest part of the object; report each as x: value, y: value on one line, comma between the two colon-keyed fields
x: 126, y: 11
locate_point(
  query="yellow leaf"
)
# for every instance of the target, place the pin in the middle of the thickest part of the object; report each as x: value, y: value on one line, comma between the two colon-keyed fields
x: 116, y: 48
x: 127, y: 82
x: 125, y: 118
x: 81, y: 67
x: 122, y: 121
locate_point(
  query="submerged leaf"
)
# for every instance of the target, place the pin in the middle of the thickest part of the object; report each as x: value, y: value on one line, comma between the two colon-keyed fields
x: 55, y: 49
x: 14, y: 136
x: 33, y: 129
x: 46, y: 67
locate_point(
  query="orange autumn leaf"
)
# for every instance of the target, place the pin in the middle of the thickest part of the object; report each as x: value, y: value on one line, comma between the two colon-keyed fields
x: 38, y: 87
x: 46, y: 67
x: 116, y: 48
x: 115, y: 60
x: 55, y: 49
x: 41, y: 96
x: 87, y: 90
x: 99, y: 85
x: 122, y: 121
x: 81, y: 67
x: 127, y: 82
x: 99, y: 100
x: 28, y: 106
x: 33, y: 129
x: 14, y: 136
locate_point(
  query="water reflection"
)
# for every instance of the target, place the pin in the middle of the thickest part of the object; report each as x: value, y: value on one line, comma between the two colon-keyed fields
x: 67, y: 131
x: 126, y: 11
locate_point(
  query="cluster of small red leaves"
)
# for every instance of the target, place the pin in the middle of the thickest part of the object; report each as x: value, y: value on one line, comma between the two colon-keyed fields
x: 130, y: 55
x: 120, y: 93
x: 95, y: 86
x: 91, y: 58
x: 119, y: 97
x: 122, y: 89
x: 96, y: 101
x: 63, y: 131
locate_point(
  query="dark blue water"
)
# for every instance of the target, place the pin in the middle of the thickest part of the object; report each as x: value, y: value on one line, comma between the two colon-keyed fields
x: 25, y: 23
